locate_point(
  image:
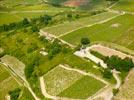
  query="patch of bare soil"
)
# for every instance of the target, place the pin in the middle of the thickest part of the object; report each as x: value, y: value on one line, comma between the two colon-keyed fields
x: 75, y: 3
x: 116, y: 25
x: 106, y: 51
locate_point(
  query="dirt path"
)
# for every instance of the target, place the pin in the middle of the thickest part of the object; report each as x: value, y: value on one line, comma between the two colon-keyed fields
x: 43, y: 89
x: 7, y: 97
x: 42, y: 33
x: 113, y: 5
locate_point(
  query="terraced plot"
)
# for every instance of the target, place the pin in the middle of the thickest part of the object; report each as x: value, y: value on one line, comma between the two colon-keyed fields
x: 118, y: 31
x: 71, y: 84
x: 74, y: 25
x: 125, y: 5
x: 14, y: 64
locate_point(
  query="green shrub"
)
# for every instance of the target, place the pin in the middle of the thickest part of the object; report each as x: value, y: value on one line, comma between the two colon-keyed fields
x: 15, y: 94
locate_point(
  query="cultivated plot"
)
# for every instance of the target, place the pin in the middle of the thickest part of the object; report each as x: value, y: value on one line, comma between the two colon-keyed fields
x: 14, y: 64
x: 124, y: 5
x: 68, y: 83
x: 118, y: 30
x: 67, y: 27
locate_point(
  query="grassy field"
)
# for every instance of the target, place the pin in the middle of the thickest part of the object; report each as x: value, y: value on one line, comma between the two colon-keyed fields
x: 83, y: 88
x: 125, y: 5
x: 70, y: 26
x: 118, y: 30
x: 58, y: 79
x: 6, y: 18
x: 17, y: 13
x: 69, y: 59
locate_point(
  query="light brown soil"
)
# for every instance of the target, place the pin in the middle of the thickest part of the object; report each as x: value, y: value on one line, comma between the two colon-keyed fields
x: 75, y: 3
x: 109, y: 52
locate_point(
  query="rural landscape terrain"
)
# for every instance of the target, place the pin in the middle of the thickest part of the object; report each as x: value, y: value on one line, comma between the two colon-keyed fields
x: 66, y: 49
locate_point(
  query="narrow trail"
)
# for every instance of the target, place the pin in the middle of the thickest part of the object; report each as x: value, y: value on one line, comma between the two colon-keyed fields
x: 42, y: 33
x: 7, y: 97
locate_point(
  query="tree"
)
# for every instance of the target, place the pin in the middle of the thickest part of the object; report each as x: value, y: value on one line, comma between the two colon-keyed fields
x: 25, y: 22
x: 45, y: 19
x: 85, y: 41
x: 115, y: 91
x: 115, y: 62
x: 107, y: 73
x: 35, y: 29
x: 15, y: 94
x: 69, y: 16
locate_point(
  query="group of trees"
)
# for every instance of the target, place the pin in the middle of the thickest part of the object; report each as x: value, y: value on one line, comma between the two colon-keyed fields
x: 56, y: 47
x: 115, y: 62
x: 17, y: 25
x: 15, y: 94
x: 34, y: 23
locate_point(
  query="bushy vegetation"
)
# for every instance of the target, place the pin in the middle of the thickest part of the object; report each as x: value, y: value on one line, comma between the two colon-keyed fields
x: 107, y: 73
x: 115, y: 91
x: 15, y: 94
x: 114, y: 62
